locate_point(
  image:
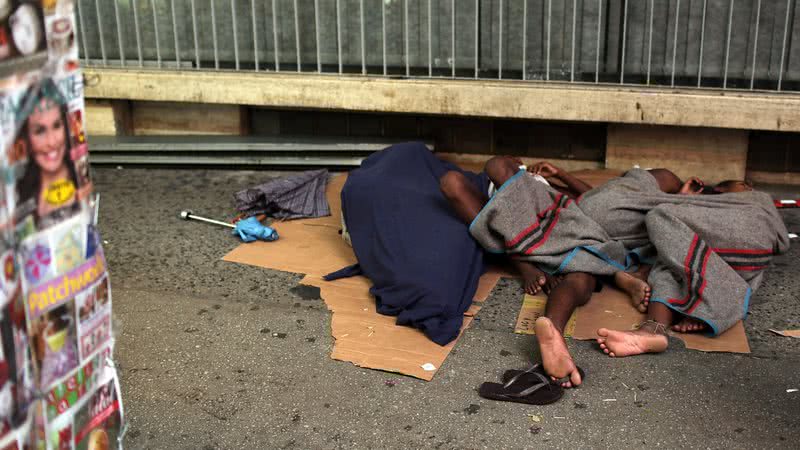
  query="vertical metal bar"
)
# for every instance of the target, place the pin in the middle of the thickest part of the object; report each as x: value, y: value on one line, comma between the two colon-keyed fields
x: 597, y: 49
x: 650, y: 42
x: 755, y: 46
x: 296, y: 34
x: 524, y: 39
x: 477, y: 41
x: 430, y: 49
x: 405, y: 35
x: 675, y: 41
x: 194, y: 31
x: 338, y: 34
x: 783, y: 48
x: 727, y: 46
x: 174, y: 33
x: 100, y: 32
x: 363, y: 50
x: 235, y: 34
x: 119, y: 34
x: 155, y: 29
x: 138, y: 33
x: 624, y: 44
x: 547, y: 60
x: 500, y: 45
x: 383, y: 34
x: 83, y: 35
x: 275, y: 45
x: 453, y: 38
x: 255, y: 32
x: 702, y: 39
x: 316, y: 34
x: 214, y: 34
x: 574, y: 17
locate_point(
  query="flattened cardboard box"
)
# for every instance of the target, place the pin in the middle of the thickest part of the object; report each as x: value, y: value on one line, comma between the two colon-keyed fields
x: 364, y: 337
x: 612, y: 309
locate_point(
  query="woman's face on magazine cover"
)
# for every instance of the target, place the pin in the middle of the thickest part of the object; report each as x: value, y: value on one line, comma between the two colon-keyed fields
x: 47, y: 136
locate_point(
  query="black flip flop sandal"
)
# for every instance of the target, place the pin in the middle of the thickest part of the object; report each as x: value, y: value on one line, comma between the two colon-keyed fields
x: 533, y: 389
x: 510, y: 375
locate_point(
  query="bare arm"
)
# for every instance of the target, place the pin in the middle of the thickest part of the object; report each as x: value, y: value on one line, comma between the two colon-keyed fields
x: 575, y: 184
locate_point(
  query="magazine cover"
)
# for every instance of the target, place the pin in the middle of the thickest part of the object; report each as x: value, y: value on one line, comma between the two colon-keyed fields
x: 47, y: 153
x: 94, y: 423
x: 22, y: 33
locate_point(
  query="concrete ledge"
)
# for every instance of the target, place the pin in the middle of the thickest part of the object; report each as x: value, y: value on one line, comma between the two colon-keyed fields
x: 792, y: 178
x: 712, y: 154
x: 507, y: 99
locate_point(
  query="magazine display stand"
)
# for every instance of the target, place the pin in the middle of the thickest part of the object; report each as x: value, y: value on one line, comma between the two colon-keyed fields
x: 59, y: 387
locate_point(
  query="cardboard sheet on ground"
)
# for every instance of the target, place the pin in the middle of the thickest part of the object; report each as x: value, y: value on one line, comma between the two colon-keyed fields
x: 611, y: 308
x: 787, y: 333
x: 363, y: 337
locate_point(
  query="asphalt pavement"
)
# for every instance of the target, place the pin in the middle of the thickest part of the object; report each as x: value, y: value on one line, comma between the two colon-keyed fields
x: 220, y: 355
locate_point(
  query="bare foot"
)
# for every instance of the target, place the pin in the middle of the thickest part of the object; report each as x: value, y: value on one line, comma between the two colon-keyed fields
x: 689, y: 325
x: 638, y: 290
x: 628, y: 343
x: 556, y: 359
x: 533, y: 279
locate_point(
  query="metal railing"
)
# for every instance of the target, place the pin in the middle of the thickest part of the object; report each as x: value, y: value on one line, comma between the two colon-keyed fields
x: 724, y: 44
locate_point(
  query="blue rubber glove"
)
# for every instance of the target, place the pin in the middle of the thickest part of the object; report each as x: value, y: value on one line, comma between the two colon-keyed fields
x: 251, y: 229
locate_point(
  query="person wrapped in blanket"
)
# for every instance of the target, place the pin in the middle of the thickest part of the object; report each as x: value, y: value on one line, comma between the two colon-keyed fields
x: 552, y: 243
x: 559, y: 249
x: 711, y: 247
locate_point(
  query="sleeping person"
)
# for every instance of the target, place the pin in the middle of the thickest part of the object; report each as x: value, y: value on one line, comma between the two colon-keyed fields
x: 708, y: 253
x: 549, y: 239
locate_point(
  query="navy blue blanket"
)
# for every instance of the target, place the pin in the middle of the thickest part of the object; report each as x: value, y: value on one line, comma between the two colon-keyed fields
x: 422, y: 261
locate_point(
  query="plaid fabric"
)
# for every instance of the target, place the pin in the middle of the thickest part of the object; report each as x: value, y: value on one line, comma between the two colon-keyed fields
x: 293, y: 197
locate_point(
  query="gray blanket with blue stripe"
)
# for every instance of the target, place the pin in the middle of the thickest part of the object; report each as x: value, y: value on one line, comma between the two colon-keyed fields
x: 531, y: 221
x: 711, y: 250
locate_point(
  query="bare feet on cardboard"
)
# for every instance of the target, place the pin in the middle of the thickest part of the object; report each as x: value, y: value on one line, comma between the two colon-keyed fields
x: 533, y: 279
x: 689, y: 325
x: 638, y: 290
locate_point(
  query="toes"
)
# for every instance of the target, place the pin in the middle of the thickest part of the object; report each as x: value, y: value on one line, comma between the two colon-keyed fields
x: 574, y: 378
x: 541, y: 280
x: 603, y: 332
x: 612, y: 355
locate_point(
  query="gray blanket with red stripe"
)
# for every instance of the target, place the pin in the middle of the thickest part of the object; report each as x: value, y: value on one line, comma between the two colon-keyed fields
x: 531, y: 221
x: 712, y: 257
x: 711, y: 249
